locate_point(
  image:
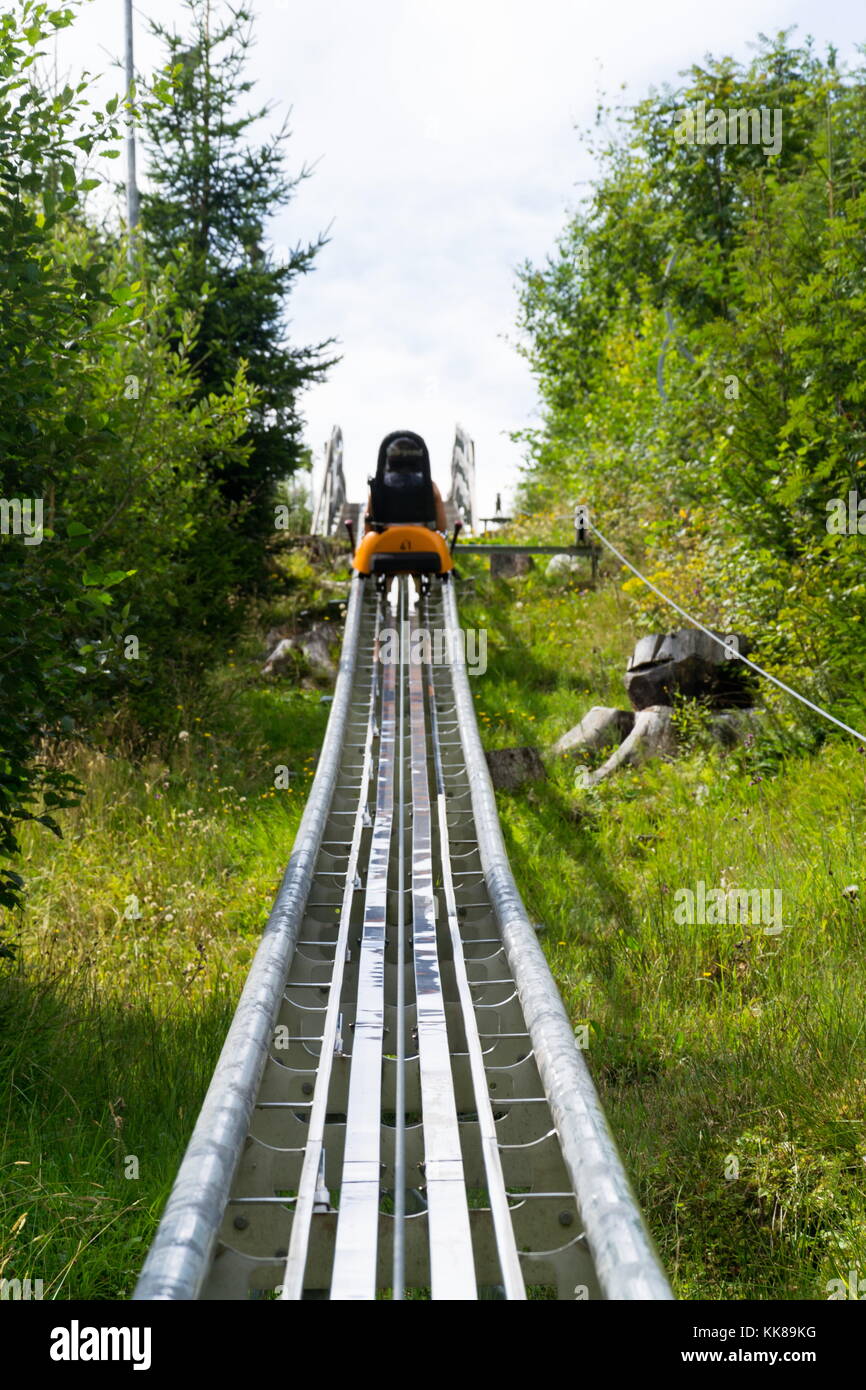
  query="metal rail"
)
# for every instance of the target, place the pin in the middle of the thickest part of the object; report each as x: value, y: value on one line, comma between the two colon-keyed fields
x: 400, y: 1103
x: 461, y: 494
x: 329, y: 504
x: 622, y: 1256
x: 183, y: 1251
x: 311, y: 1180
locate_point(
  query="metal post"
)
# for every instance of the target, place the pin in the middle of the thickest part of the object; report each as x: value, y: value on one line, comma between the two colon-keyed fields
x: 131, y: 184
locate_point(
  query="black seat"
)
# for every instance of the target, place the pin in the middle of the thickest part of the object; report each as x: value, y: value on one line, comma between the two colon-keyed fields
x: 402, y: 490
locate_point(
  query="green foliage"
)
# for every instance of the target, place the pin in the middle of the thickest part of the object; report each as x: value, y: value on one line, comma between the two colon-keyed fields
x: 141, y: 481
x: 51, y: 316
x: 136, y: 471
x: 135, y: 942
x: 697, y: 339
x: 212, y: 193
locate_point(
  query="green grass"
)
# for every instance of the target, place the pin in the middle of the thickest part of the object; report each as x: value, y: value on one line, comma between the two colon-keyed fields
x: 140, y: 929
x: 717, y: 1049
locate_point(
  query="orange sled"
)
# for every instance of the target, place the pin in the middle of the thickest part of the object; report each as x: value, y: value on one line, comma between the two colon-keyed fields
x: 403, y: 550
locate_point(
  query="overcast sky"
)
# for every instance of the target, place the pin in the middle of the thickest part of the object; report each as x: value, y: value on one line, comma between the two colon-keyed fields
x: 443, y: 135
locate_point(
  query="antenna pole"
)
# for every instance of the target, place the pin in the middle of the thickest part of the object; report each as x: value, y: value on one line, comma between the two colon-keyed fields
x: 131, y: 184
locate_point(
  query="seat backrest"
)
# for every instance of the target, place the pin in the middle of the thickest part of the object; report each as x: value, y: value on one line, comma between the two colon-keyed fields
x: 402, y: 489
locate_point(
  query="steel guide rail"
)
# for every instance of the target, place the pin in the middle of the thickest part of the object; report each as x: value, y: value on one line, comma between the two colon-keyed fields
x: 452, y: 1266
x: 398, y: 1285
x: 400, y: 1103
x: 179, y: 1257
x: 625, y: 1261
x: 314, y: 1154
x: 355, y: 1254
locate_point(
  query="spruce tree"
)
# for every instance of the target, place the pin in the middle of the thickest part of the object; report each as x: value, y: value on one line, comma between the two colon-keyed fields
x: 212, y: 190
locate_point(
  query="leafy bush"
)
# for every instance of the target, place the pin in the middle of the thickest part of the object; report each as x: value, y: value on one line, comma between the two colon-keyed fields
x: 124, y: 556
x: 697, y: 337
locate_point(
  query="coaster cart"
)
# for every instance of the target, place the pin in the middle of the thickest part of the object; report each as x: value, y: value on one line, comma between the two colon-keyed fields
x: 394, y: 545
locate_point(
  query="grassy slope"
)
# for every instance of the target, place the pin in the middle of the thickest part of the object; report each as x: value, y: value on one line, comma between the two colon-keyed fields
x: 713, y: 1047
x: 718, y: 1050
x: 110, y: 1025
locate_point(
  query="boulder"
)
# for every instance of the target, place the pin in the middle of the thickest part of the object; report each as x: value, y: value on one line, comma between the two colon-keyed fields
x: 511, y: 767
x: 507, y: 566
x: 690, y: 663
x: 274, y: 636
x: 280, y: 657
x: 599, y: 728
x: 315, y: 646
x: 563, y: 567
x: 652, y: 736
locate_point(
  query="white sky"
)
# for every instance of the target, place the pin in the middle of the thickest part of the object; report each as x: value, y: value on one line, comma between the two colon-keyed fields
x: 446, y: 153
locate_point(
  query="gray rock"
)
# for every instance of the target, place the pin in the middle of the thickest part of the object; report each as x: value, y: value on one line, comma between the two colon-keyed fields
x: 690, y: 663
x: 275, y: 636
x: 507, y: 566
x: 653, y: 736
x: 314, y: 645
x: 563, y: 567
x: 597, y: 729
x: 511, y: 767
x: 281, y: 657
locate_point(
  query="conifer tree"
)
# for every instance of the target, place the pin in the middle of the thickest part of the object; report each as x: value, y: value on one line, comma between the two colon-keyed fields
x: 212, y: 190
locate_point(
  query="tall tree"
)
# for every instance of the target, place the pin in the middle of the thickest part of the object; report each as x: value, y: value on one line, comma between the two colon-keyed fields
x: 212, y: 192
x: 698, y: 339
